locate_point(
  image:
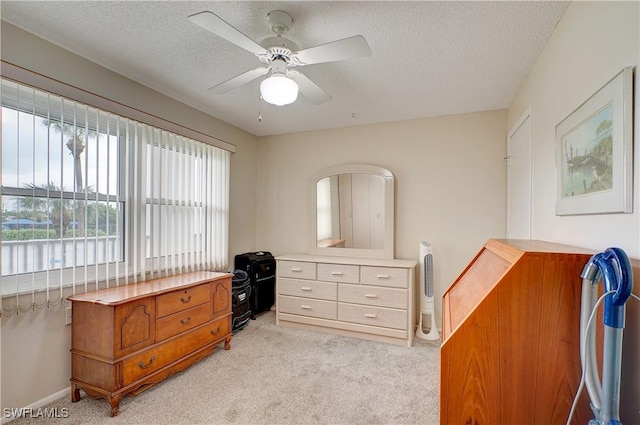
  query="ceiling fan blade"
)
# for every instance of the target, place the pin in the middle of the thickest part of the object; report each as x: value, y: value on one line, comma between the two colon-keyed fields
x: 347, y: 48
x: 308, y: 88
x: 212, y: 22
x: 239, y: 80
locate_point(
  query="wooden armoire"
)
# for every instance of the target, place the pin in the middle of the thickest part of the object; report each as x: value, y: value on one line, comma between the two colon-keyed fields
x: 510, y: 336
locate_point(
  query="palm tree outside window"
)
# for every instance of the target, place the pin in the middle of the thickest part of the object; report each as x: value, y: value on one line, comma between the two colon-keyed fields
x: 60, y: 184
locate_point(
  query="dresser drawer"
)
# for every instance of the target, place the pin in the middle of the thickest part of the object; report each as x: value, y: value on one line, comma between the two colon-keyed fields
x: 308, y: 307
x: 373, y: 295
x: 161, y: 355
x: 338, y: 273
x: 297, y: 269
x: 308, y: 289
x: 375, y: 316
x: 217, y: 328
x: 183, y: 299
x: 176, y: 323
x: 384, y: 276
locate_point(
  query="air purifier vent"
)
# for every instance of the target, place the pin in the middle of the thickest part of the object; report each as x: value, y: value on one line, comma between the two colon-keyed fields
x: 428, y: 275
x: 427, y: 293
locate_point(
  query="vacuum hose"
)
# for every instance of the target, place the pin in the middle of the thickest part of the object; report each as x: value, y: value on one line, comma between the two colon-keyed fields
x: 614, y: 268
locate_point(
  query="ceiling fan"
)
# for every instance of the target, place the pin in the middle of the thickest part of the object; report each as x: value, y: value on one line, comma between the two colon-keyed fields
x: 280, y: 57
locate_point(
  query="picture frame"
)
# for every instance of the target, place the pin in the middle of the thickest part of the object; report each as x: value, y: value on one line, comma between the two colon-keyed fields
x: 594, y: 152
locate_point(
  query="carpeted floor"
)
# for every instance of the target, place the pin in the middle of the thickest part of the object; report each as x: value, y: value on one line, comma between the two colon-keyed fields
x: 280, y: 375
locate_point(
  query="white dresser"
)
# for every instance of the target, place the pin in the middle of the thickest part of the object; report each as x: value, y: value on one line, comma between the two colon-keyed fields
x: 366, y: 298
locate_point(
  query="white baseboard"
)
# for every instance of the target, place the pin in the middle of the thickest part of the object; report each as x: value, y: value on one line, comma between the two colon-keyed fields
x: 10, y: 415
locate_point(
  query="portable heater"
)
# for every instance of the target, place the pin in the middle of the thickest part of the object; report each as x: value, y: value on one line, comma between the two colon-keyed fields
x: 426, y: 294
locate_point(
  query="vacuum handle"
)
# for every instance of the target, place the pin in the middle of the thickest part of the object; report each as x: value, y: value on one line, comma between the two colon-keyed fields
x: 588, y: 356
x: 617, y: 276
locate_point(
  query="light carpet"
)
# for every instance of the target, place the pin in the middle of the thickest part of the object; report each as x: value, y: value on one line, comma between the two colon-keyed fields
x: 281, y: 375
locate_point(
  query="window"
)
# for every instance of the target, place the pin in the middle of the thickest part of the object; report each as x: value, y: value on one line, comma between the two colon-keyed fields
x: 180, y: 206
x: 61, y: 196
x: 90, y: 196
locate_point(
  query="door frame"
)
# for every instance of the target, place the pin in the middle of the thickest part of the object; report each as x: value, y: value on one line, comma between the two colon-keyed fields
x: 514, y: 129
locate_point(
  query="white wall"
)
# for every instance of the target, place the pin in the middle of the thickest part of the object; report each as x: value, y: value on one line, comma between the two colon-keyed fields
x: 591, y: 44
x: 450, y: 184
x: 35, y: 346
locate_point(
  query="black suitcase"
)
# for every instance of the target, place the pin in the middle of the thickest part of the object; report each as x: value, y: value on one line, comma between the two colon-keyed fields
x: 240, y: 299
x: 261, y: 268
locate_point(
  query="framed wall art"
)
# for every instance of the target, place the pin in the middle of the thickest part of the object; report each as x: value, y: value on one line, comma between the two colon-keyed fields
x: 594, y: 152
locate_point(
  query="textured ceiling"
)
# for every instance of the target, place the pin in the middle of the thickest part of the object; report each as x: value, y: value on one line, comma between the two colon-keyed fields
x: 429, y: 58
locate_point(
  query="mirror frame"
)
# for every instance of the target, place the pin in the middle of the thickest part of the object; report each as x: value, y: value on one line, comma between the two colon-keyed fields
x: 389, y: 212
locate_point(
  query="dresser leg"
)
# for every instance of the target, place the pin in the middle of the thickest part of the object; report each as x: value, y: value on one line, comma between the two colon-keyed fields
x: 75, y: 393
x: 227, y: 343
x: 115, y: 405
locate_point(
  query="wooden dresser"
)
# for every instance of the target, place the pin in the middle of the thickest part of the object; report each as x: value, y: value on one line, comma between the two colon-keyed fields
x: 367, y: 298
x: 126, y: 338
x: 511, y: 335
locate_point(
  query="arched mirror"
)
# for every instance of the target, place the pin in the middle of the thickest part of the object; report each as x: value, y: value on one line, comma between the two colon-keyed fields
x: 352, y: 210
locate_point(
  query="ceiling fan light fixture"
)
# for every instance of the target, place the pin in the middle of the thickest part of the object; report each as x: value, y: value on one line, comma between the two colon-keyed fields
x: 279, y: 90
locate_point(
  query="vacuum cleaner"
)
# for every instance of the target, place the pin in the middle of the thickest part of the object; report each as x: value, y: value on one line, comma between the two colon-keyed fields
x: 614, y: 268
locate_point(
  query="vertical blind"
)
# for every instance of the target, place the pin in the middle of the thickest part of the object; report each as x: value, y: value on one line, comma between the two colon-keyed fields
x: 323, y: 207
x: 93, y: 199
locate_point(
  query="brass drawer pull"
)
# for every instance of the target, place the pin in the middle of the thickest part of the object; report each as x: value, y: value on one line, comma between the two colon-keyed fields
x: 217, y: 331
x: 141, y: 364
x: 185, y: 300
x: 185, y: 321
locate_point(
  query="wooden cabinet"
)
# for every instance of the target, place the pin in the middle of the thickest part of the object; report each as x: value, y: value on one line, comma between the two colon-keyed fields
x: 367, y: 298
x: 126, y: 338
x: 511, y: 332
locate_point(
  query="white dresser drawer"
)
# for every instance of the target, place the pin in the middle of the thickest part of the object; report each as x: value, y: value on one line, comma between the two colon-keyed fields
x: 373, y: 295
x: 338, y: 273
x: 308, y: 307
x: 297, y: 269
x: 384, y: 276
x: 368, y: 298
x: 375, y: 316
x: 308, y: 289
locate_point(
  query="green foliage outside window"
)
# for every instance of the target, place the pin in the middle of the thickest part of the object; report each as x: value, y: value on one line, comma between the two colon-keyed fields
x: 28, y: 234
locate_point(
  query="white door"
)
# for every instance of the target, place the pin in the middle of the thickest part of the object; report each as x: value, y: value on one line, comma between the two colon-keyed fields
x: 519, y: 180
x: 377, y: 220
x: 360, y: 201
